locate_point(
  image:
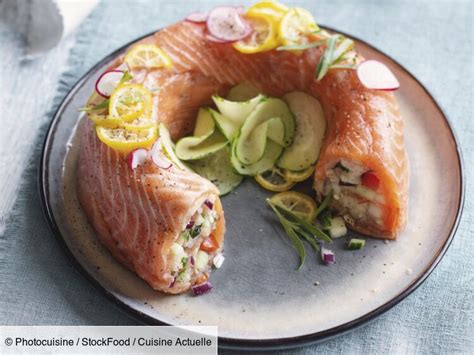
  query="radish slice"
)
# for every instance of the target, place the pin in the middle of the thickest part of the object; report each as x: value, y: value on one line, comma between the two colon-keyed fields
x: 197, y: 17
x: 107, y: 82
x: 137, y: 157
x: 375, y: 75
x: 215, y: 39
x: 158, y: 157
x: 225, y: 23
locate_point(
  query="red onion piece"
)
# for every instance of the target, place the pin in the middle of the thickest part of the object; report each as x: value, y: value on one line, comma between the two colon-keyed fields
x: 328, y: 256
x: 376, y: 75
x: 225, y: 23
x: 107, y: 82
x: 191, y: 260
x: 137, y: 157
x: 190, y: 225
x: 208, y: 204
x: 172, y: 283
x: 202, y: 288
x: 197, y: 17
x: 158, y: 157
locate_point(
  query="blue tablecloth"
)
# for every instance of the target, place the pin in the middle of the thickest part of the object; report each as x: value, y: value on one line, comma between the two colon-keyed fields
x: 39, y: 285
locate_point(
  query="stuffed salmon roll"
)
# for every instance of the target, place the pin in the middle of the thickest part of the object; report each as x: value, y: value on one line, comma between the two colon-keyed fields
x: 363, y: 161
x: 163, y: 222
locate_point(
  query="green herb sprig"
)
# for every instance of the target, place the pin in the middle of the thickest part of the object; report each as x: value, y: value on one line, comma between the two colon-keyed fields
x: 298, y: 230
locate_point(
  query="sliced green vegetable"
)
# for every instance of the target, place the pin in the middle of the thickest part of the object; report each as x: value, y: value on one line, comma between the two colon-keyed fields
x: 218, y: 169
x: 169, y: 147
x: 206, y: 139
x: 236, y: 111
x: 270, y: 156
x: 327, y: 58
x: 309, y: 135
x: 251, y: 148
x: 228, y: 127
x: 242, y: 92
x: 356, y: 244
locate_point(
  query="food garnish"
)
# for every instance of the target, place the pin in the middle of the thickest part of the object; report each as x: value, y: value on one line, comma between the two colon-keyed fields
x: 274, y: 180
x: 226, y: 23
x: 107, y: 82
x: 147, y: 56
x: 263, y: 38
x: 137, y: 157
x: 299, y: 204
x: 376, y: 75
x: 124, y: 140
x: 202, y: 288
x: 327, y: 256
x: 130, y: 101
x: 356, y: 244
x: 298, y: 230
x: 197, y: 17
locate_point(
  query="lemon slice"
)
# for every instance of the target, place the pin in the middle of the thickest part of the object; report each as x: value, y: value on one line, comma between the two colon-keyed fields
x: 301, y: 205
x: 271, y: 9
x: 295, y: 25
x: 104, y: 120
x: 297, y: 176
x: 274, y: 180
x: 263, y: 37
x: 130, y: 101
x: 147, y: 56
x: 142, y: 122
x: 125, y: 140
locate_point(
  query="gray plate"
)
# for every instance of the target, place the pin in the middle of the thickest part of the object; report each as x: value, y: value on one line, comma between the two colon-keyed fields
x: 259, y: 299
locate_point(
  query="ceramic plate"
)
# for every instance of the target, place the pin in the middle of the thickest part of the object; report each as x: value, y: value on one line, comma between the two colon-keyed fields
x: 259, y: 299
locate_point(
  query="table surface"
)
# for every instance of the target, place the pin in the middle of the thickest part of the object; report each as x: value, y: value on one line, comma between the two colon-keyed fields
x: 39, y: 285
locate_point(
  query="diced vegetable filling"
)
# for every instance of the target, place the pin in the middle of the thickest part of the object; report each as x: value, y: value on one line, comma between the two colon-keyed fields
x: 192, y: 252
x: 356, y: 192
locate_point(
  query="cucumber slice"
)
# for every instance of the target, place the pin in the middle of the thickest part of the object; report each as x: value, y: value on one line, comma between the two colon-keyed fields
x: 242, y: 92
x: 228, y: 127
x: 310, y: 130
x: 252, y: 149
x: 236, y: 111
x: 169, y: 147
x: 276, y: 130
x: 247, y: 144
x: 270, y: 156
x: 217, y: 168
x: 206, y: 139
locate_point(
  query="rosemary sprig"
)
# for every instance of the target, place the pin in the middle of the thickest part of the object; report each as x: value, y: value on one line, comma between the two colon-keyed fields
x: 299, y: 229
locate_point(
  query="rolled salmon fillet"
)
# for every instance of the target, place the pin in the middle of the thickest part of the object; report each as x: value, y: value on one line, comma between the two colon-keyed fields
x: 167, y: 225
x: 363, y: 160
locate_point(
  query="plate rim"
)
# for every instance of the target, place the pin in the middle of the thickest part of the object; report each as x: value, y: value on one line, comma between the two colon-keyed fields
x: 234, y: 343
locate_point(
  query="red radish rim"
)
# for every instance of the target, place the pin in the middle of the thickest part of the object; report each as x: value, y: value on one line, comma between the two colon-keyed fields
x: 247, y: 29
x: 100, y: 78
x: 133, y: 154
x: 215, y: 39
x: 197, y: 17
x: 156, y: 158
x: 393, y: 78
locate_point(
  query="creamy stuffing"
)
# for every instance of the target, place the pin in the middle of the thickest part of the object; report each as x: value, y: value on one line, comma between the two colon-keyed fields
x: 352, y: 199
x: 187, y: 260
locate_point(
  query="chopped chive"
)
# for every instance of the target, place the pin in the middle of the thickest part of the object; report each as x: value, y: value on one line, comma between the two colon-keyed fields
x: 299, y: 47
x: 325, y: 203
